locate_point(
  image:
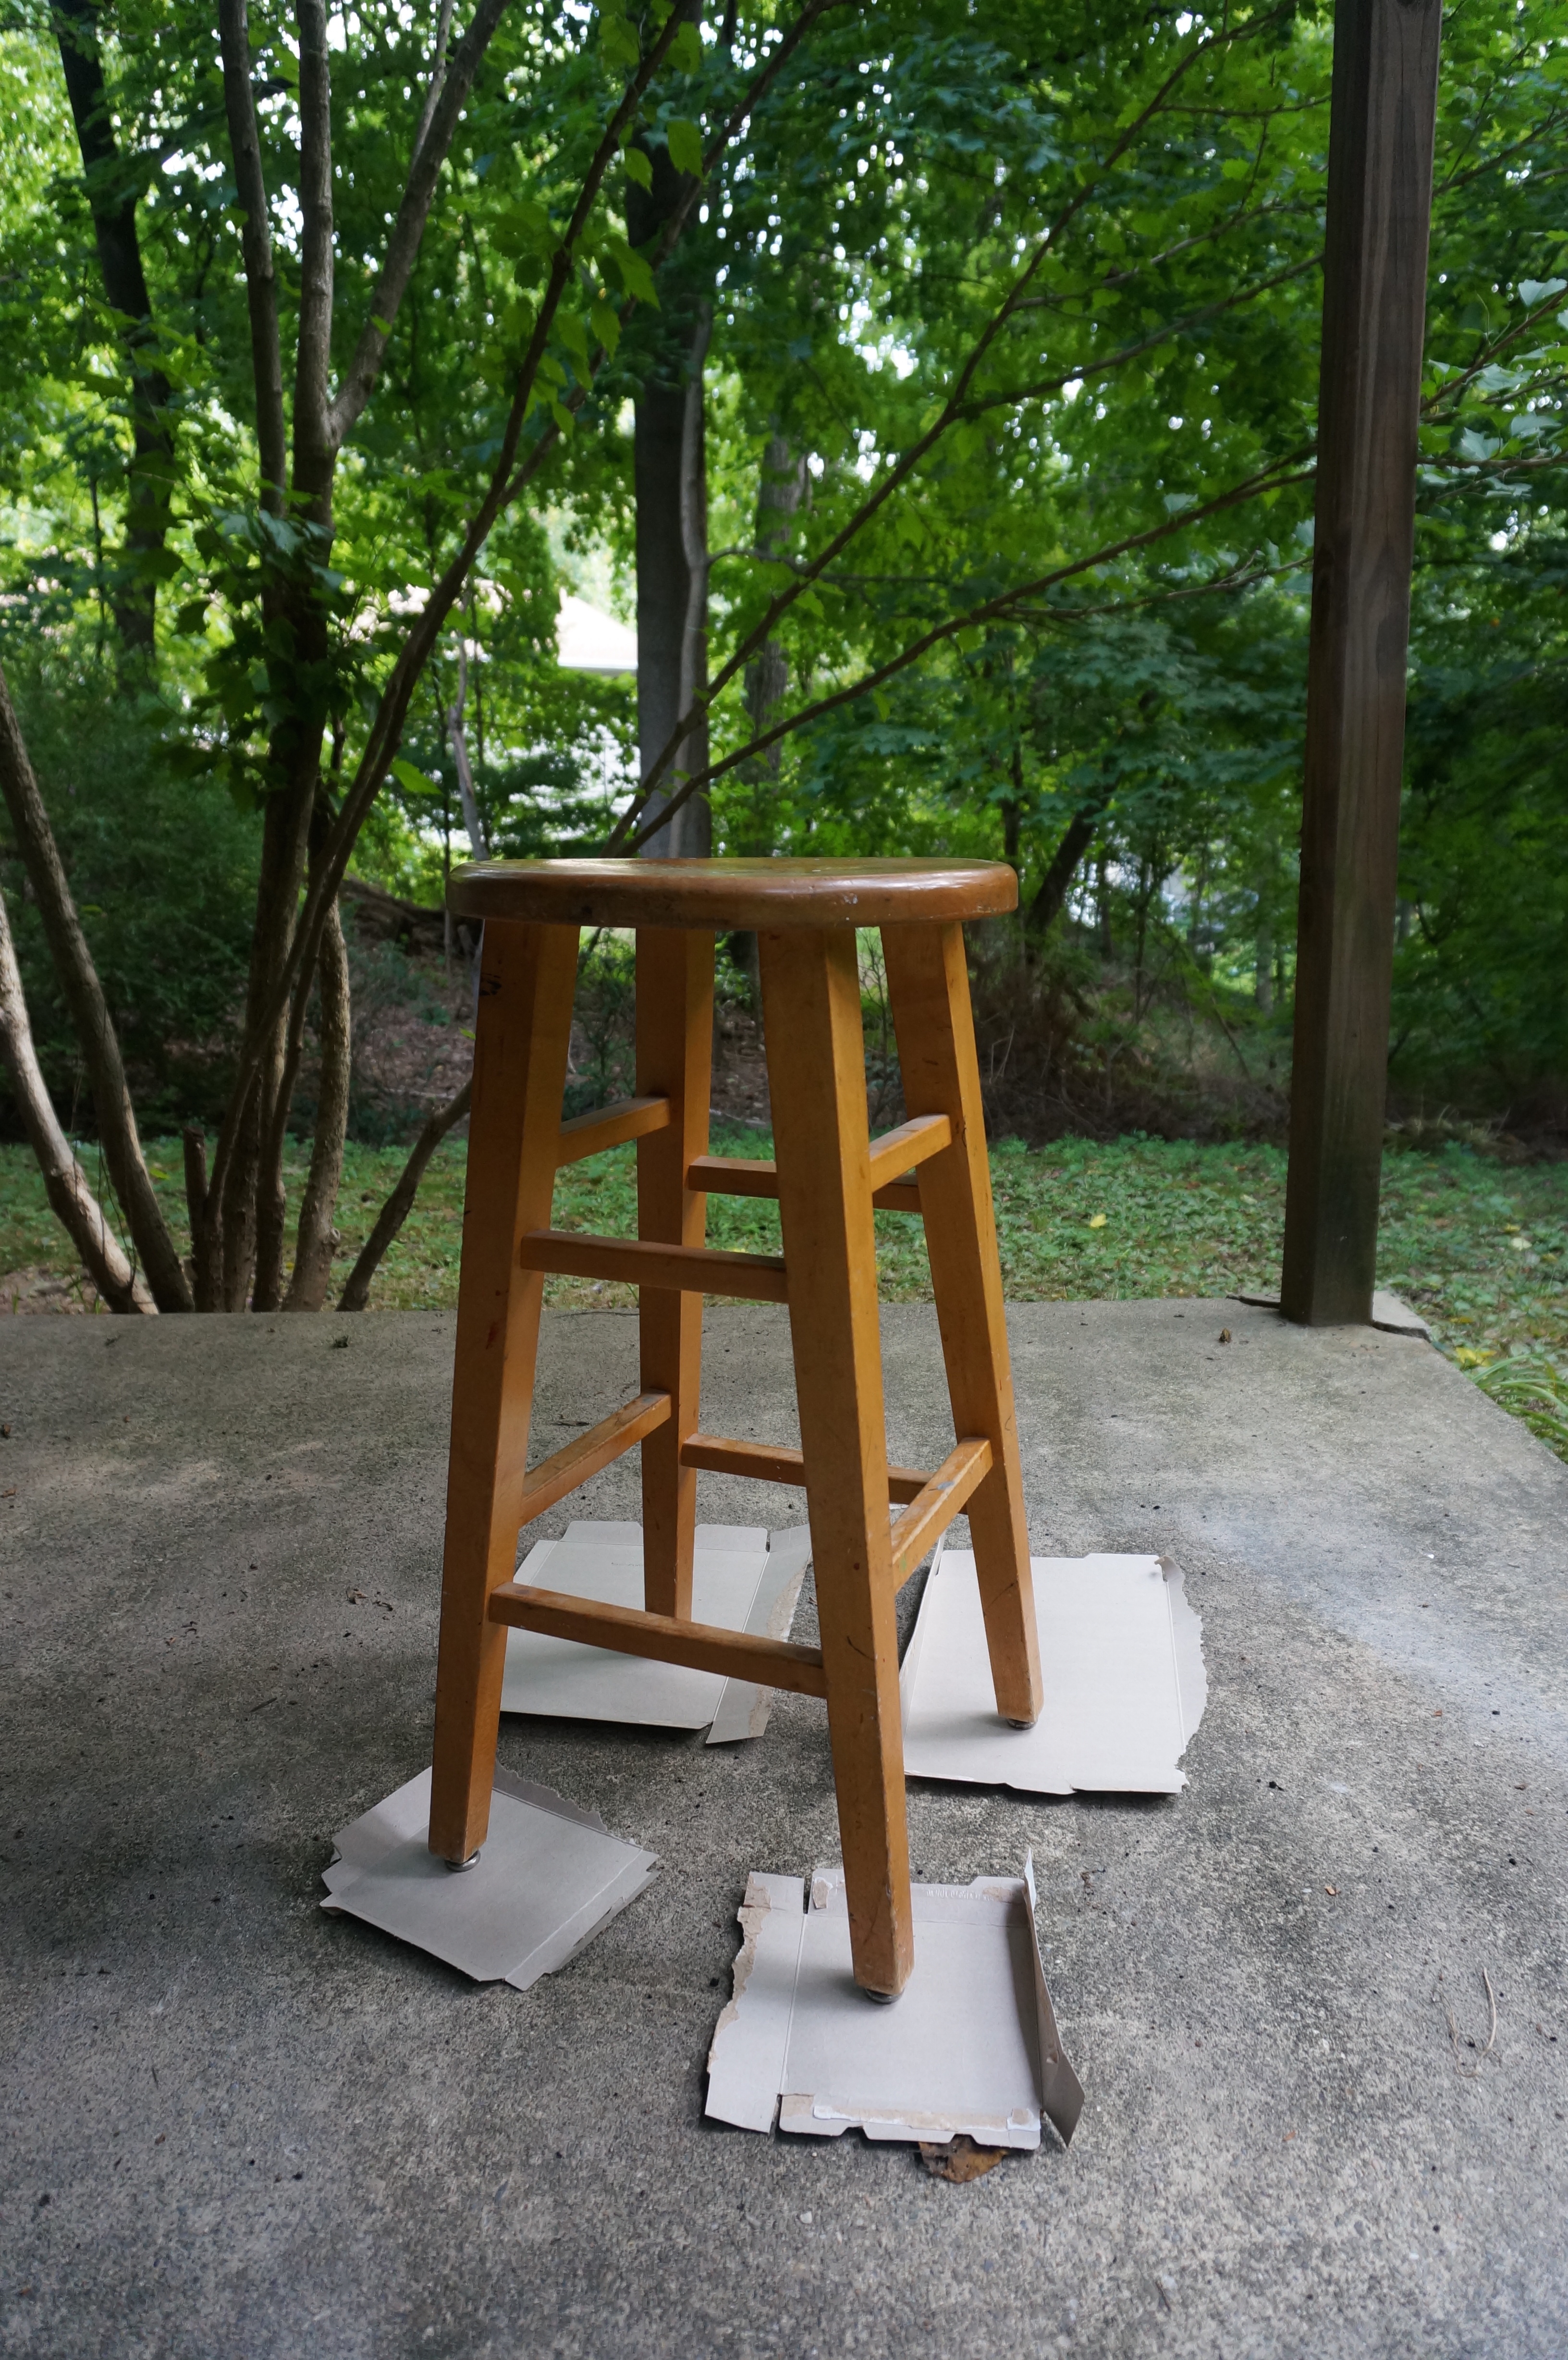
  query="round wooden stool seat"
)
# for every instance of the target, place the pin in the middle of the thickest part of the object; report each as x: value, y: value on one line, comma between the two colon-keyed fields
x: 758, y: 896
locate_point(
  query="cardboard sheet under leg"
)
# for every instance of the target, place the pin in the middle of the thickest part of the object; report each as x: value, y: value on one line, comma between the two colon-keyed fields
x: 1122, y: 1660
x: 742, y: 1578
x: 549, y: 1878
x: 970, y: 2047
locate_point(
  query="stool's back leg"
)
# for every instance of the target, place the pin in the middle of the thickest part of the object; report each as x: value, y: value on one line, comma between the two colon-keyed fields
x: 816, y: 1071
x: 521, y: 1039
x: 928, y: 985
x: 674, y: 1057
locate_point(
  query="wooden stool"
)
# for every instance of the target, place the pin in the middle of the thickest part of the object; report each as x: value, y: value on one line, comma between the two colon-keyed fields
x: 828, y: 1176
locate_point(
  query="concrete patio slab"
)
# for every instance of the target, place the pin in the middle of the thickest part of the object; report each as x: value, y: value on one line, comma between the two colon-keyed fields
x: 236, y: 2125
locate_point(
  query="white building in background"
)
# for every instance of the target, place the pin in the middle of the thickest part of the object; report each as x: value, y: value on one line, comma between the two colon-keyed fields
x: 587, y: 639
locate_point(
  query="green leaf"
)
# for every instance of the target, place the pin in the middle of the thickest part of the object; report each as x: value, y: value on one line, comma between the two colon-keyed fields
x: 413, y: 780
x: 686, y: 50
x: 617, y: 40
x: 525, y: 228
x: 634, y: 276
x: 638, y: 168
x: 573, y: 332
x: 685, y: 148
x: 606, y: 322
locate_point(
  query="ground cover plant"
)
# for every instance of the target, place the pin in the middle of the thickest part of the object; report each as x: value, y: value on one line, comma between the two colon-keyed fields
x: 1478, y: 1245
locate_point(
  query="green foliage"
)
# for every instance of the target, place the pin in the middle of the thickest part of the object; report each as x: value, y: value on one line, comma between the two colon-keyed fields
x: 1069, y: 258
x: 163, y: 866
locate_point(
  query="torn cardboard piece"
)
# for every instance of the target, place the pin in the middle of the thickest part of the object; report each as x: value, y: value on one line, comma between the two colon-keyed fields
x: 742, y: 1578
x: 1122, y: 1662
x: 548, y: 1876
x: 971, y: 2048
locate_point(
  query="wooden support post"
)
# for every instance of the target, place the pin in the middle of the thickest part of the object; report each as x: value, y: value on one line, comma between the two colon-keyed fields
x: 674, y: 1060
x: 526, y: 980
x: 1379, y: 205
x: 816, y: 1071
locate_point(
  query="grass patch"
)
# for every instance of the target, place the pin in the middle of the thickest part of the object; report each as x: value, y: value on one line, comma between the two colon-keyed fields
x: 1480, y: 1248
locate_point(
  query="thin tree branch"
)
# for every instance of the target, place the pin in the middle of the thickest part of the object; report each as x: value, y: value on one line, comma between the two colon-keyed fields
x: 990, y: 610
x: 952, y: 409
x: 65, y: 1184
x: 444, y: 102
x: 90, y: 1017
x: 400, y: 1204
x: 438, y: 78
x: 1083, y: 371
x: 261, y: 277
x: 316, y: 1237
x: 387, y: 726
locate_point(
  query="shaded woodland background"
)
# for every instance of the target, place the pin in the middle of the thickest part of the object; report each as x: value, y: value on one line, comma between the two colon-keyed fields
x: 1105, y: 552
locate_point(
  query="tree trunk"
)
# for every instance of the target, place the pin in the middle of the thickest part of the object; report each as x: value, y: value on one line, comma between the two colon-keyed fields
x: 1103, y: 908
x: 90, y: 1017
x: 456, y: 731
x: 779, y: 497
x: 671, y: 482
x: 134, y: 599
x: 243, y: 1242
x: 65, y: 1184
x: 317, y: 1237
x: 669, y: 469
x: 1055, y: 885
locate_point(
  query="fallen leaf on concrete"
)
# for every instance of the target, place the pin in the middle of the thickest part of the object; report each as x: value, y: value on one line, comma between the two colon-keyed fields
x: 959, y: 2159
x: 1224, y: 1335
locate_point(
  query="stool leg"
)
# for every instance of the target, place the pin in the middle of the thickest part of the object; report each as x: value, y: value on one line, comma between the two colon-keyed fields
x: 816, y: 1071
x: 520, y: 1048
x: 674, y: 1056
x: 928, y: 985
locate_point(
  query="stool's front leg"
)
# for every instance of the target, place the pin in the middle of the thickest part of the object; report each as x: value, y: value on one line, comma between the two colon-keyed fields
x: 674, y: 1060
x: 816, y: 1071
x: 521, y: 1040
x: 928, y: 986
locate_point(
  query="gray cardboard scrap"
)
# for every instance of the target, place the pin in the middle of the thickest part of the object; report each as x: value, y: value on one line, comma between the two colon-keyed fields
x: 742, y: 1578
x: 549, y: 1878
x: 970, y: 2045
x: 1122, y: 1660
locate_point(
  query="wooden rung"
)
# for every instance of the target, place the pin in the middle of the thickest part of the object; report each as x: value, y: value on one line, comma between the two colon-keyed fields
x: 609, y: 1126
x: 634, y: 1262
x: 573, y: 1463
x: 935, y: 1506
x: 775, y: 1462
x: 703, y: 1646
x: 732, y: 1175
x: 899, y: 1196
x: 895, y: 1153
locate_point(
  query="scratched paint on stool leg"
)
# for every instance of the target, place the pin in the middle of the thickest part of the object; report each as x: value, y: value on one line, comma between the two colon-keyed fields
x: 548, y: 1876
x: 1122, y: 1665
x: 970, y: 2047
x: 742, y: 1578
